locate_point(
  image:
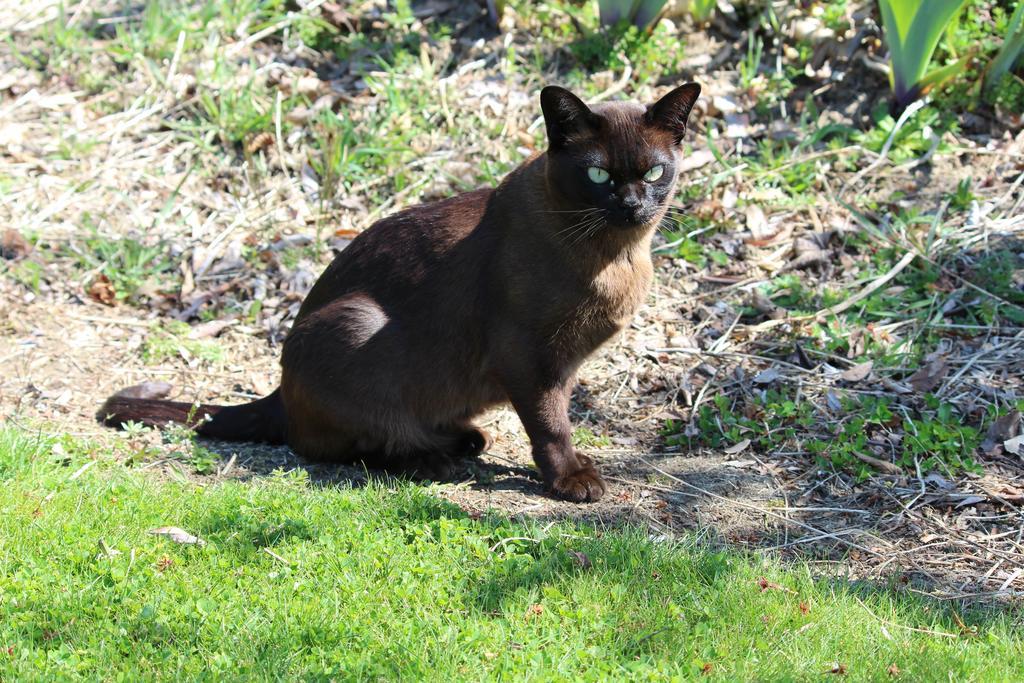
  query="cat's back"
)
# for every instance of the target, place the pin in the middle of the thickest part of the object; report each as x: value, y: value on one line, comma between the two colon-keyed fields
x: 404, y: 251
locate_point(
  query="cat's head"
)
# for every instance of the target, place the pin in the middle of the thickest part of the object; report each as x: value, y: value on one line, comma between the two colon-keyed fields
x: 620, y: 158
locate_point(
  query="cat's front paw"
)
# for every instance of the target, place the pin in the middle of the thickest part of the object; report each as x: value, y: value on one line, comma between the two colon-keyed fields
x: 584, y: 485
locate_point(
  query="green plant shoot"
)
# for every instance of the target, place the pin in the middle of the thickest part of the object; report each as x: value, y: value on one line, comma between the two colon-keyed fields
x: 640, y: 13
x: 1010, y: 53
x: 701, y: 10
x: 912, y: 31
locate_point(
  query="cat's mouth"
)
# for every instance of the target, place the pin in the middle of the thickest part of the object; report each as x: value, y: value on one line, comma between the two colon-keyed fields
x: 628, y: 218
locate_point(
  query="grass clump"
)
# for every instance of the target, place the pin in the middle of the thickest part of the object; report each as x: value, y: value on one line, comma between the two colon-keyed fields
x: 171, y: 339
x: 302, y: 581
x: 135, y: 270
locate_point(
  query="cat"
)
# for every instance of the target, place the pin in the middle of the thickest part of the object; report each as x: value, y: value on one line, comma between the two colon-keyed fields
x: 443, y: 310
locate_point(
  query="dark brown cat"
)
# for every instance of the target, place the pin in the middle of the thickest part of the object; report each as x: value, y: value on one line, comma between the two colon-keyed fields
x: 443, y: 310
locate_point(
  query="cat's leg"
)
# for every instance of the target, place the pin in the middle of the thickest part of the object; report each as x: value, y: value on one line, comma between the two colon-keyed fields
x: 429, y: 465
x: 466, y: 441
x: 543, y: 408
x: 436, y: 461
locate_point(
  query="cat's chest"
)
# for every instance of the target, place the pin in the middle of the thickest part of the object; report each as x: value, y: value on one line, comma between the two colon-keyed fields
x: 620, y: 288
x: 607, y: 302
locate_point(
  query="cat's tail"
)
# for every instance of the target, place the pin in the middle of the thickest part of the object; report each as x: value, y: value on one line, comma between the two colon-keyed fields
x: 261, y: 420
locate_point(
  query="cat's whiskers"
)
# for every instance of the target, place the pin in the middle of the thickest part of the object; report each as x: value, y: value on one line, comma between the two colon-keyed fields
x: 568, y: 236
x: 591, y: 229
x: 671, y: 228
x: 676, y: 222
x: 581, y: 226
x: 586, y: 210
x: 577, y: 235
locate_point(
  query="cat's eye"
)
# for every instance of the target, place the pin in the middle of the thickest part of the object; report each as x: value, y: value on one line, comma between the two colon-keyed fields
x: 597, y: 175
x: 655, y: 173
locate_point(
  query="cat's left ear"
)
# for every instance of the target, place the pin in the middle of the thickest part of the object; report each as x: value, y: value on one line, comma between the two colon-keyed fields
x: 672, y: 110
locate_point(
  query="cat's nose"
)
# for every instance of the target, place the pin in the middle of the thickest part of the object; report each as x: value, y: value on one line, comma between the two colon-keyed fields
x: 629, y: 201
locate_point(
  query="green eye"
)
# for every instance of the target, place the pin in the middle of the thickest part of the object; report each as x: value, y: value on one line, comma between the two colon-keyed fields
x: 597, y: 175
x: 655, y: 173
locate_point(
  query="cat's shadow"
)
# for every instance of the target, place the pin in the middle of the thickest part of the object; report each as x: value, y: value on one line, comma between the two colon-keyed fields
x: 247, y: 461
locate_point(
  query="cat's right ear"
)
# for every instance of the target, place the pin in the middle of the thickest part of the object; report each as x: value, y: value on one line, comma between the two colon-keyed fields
x: 566, y: 116
x: 672, y: 110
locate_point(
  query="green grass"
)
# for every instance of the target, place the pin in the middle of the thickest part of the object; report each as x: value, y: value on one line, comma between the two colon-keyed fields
x: 136, y: 267
x: 584, y: 437
x: 934, y: 435
x: 171, y: 338
x: 388, y: 582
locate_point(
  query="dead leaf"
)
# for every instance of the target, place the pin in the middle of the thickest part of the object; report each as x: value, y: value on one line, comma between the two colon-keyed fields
x: 13, y: 246
x: 1002, y: 429
x: 698, y: 159
x: 739, y: 464
x: 858, y: 372
x: 893, y: 670
x: 833, y: 402
x: 335, y: 14
x: 883, y: 465
x: 930, y: 375
x: 178, y: 535
x: 738, y: 447
x: 260, y: 386
x: 804, y: 608
x: 760, y: 301
x: 146, y: 390
x: 895, y: 387
x: 765, y: 585
x: 971, y: 500
x: 102, y: 290
x: 939, y: 481
x: 209, y: 329
x: 581, y: 559
x: 534, y: 611
x: 757, y: 224
x: 767, y: 376
x: 809, y: 250
x: 1014, y: 446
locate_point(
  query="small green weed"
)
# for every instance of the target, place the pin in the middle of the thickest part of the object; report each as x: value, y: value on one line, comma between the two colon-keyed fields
x: 135, y: 269
x: 183, y: 442
x: 934, y: 438
x: 584, y: 437
x: 923, y: 130
x: 768, y: 419
x: 999, y: 272
x: 939, y: 439
x: 684, y: 247
x: 25, y: 272
x: 648, y: 54
x: 751, y: 63
x: 170, y: 339
x: 961, y: 199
